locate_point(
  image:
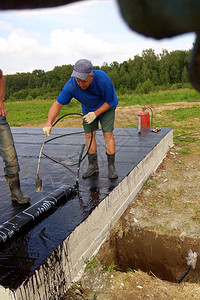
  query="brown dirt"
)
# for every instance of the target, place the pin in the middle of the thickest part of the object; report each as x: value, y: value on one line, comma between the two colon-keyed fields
x: 127, y: 116
x: 146, y: 251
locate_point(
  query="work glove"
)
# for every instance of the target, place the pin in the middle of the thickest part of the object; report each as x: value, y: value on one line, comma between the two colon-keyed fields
x: 47, y: 130
x: 90, y: 117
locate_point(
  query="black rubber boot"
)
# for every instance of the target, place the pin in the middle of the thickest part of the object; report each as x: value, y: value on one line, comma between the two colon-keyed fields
x: 112, y: 173
x: 92, y: 166
x: 15, y: 191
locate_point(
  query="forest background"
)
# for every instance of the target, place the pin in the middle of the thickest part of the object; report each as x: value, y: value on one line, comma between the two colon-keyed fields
x: 149, y: 72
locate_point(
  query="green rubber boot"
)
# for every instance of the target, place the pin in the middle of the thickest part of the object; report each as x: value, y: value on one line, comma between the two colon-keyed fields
x: 92, y: 166
x: 112, y: 173
x: 15, y: 191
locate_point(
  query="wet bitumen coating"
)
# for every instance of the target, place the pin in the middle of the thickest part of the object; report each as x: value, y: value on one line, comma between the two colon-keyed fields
x: 25, y: 251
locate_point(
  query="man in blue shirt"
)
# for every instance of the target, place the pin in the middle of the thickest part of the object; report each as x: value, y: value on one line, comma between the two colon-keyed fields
x: 95, y: 91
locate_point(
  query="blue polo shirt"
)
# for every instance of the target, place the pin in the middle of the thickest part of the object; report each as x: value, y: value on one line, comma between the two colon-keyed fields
x: 101, y: 91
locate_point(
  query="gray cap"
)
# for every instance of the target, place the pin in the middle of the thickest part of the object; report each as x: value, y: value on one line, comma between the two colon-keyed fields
x: 82, y: 68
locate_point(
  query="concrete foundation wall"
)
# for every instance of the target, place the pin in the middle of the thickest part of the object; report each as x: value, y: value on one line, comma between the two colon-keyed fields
x: 58, y: 271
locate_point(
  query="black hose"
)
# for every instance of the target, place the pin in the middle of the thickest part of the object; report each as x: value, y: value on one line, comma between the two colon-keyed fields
x: 78, y: 167
x: 58, y: 162
x: 151, y: 115
x: 49, y: 140
x: 66, y: 115
x: 81, y: 153
x: 186, y: 272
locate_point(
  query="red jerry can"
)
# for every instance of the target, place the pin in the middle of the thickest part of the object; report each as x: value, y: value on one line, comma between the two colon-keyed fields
x: 143, y: 120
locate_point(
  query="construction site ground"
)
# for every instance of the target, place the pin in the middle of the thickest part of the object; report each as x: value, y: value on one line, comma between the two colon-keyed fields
x: 166, y: 212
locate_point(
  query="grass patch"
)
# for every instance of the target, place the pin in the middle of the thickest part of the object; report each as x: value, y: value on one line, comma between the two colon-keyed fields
x: 185, y: 151
x: 159, y: 97
x: 185, y: 124
x: 92, y: 263
x: 112, y: 268
x: 183, y: 114
x: 35, y: 112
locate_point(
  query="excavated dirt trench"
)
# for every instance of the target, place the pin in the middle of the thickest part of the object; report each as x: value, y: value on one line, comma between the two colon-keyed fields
x: 160, y: 255
x: 156, y: 232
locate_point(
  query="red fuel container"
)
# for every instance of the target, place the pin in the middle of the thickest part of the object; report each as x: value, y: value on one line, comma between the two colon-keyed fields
x: 143, y: 120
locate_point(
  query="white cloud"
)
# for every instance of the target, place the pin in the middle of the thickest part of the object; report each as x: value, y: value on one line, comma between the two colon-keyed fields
x: 64, y: 47
x: 18, y: 44
x: 78, y: 41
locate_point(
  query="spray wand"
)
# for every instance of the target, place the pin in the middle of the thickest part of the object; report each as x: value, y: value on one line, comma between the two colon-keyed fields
x: 38, y: 181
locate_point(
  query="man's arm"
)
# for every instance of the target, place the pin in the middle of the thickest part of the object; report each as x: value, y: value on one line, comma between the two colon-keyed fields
x: 53, y: 113
x: 3, y: 111
x: 104, y: 107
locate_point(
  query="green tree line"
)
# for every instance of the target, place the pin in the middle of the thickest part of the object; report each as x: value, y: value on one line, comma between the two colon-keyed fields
x: 143, y: 74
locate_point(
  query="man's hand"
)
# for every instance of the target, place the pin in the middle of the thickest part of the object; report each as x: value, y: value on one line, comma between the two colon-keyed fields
x: 90, y: 117
x: 47, y: 130
x: 3, y: 111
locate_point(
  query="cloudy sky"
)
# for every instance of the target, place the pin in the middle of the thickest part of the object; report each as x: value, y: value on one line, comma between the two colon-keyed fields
x: 45, y: 38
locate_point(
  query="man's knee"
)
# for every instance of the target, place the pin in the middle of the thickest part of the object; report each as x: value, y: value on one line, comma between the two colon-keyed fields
x: 108, y: 135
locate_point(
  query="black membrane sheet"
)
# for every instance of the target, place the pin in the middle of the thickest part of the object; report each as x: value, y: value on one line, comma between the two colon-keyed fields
x: 26, y: 250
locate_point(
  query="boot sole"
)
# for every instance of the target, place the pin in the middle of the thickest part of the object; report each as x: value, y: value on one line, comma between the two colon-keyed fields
x: 113, y: 177
x: 20, y: 202
x: 90, y: 174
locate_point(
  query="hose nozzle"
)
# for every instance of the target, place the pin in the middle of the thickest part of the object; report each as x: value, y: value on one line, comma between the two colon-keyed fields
x: 38, y: 184
x: 192, y: 259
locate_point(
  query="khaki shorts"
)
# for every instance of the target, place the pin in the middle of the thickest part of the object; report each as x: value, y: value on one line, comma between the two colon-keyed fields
x: 106, y: 120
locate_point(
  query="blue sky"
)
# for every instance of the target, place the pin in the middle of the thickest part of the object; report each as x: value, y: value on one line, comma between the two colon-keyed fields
x: 45, y: 38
